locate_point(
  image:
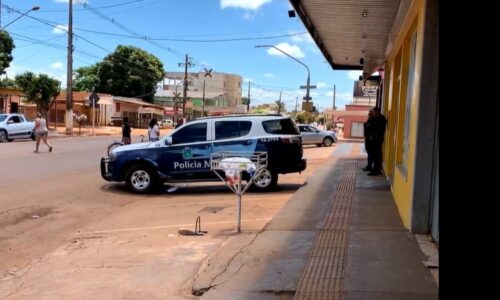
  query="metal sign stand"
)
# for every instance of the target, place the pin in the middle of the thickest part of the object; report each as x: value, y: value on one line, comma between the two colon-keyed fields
x: 233, y: 164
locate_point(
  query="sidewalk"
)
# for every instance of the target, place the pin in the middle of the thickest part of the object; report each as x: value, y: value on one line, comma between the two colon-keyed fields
x: 101, y: 131
x: 339, y: 237
x: 60, y: 131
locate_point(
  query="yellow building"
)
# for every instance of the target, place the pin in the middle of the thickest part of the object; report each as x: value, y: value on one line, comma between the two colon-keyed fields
x: 399, y: 39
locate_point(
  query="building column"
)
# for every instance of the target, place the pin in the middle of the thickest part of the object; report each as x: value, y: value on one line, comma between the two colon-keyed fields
x: 425, y: 152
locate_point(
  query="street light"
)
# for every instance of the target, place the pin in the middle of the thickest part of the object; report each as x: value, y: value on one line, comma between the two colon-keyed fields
x: 307, y: 98
x: 22, y: 15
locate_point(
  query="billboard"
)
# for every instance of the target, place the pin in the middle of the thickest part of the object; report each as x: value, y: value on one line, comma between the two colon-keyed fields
x: 366, y: 88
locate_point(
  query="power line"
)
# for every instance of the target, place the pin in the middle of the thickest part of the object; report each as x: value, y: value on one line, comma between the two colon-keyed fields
x: 146, y: 71
x: 100, y: 7
x: 126, y: 29
x: 192, y: 40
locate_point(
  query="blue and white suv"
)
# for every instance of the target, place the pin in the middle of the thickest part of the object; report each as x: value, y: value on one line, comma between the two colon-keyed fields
x: 185, y: 154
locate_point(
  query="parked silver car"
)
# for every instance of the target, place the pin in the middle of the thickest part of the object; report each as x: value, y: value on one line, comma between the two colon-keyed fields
x: 313, y: 135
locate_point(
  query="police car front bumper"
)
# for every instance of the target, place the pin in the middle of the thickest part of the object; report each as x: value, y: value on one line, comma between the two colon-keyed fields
x: 303, y: 164
x: 104, y: 169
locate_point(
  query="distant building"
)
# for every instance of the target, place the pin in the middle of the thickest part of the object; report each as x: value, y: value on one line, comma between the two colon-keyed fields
x: 222, y: 93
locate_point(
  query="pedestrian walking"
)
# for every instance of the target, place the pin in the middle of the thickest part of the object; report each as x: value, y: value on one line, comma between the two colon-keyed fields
x: 377, y: 139
x: 153, y: 130
x: 367, y: 126
x: 126, y: 139
x: 179, y: 123
x: 41, y: 132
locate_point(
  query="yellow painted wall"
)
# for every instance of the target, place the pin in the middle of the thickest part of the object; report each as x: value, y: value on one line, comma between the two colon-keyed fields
x: 403, y: 180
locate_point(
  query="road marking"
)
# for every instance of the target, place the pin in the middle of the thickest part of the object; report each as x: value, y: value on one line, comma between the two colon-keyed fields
x: 167, y: 226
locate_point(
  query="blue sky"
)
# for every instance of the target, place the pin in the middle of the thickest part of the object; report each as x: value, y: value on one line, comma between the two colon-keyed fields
x: 41, y: 46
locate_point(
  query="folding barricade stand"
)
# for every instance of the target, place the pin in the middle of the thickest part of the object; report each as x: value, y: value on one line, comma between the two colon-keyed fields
x: 233, y: 164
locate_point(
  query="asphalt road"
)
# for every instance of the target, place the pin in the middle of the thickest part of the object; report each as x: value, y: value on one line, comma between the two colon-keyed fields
x: 65, y: 233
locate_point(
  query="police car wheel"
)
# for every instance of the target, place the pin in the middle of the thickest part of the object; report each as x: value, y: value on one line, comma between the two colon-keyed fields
x: 140, y: 179
x: 266, y: 180
x: 327, y: 142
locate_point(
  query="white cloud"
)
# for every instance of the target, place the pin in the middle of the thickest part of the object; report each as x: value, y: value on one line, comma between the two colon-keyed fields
x: 269, y: 75
x: 14, y: 70
x: 247, y: 80
x: 321, y: 84
x: 354, y: 75
x: 341, y: 99
x: 60, y: 29
x: 57, y: 65
x: 313, y: 49
x: 289, y: 49
x: 244, y: 4
x: 302, y: 38
x: 249, y: 16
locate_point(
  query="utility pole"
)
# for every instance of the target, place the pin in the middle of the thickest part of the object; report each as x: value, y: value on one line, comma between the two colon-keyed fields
x: 186, y: 64
x: 208, y: 73
x: 248, y: 101
x: 333, y: 97
x: 279, y: 104
x: 203, y: 100
x: 184, y: 93
x: 69, y: 88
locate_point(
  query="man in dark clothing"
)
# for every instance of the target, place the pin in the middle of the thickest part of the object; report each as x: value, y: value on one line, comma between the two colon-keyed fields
x: 377, y: 132
x: 179, y: 123
x: 126, y: 132
x: 368, y: 147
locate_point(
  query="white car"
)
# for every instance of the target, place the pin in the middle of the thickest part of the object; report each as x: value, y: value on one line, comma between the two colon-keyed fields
x: 15, y: 126
x: 166, y: 123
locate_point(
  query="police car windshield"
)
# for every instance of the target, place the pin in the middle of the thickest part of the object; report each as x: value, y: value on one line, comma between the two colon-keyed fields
x: 281, y: 126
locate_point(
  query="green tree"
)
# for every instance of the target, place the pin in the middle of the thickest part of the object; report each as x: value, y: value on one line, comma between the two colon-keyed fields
x: 39, y: 89
x: 304, y: 117
x: 129, y: 72
x: 6, y: 47
x: 244, y: 100
x: 87, y: 78
x: 7, y: 82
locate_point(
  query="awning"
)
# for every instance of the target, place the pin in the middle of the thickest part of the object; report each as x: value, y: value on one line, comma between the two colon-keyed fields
x: 106, y: 101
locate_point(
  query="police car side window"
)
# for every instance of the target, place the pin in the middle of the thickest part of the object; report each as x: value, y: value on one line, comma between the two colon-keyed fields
x: 191, y: 134
x: 280, y: 126
x: 231, y: 129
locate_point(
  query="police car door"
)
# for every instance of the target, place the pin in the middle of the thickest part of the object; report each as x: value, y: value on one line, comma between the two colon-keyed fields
x: 233, y: 136
x: 189, y: 155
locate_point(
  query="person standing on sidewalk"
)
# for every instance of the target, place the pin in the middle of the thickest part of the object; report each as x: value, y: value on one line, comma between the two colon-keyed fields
x: 126, y: 139
x: 41, y: 132
x: 153, y: 130
x: 368, y: 145
x: 179, y: 123
x: 377, y: 139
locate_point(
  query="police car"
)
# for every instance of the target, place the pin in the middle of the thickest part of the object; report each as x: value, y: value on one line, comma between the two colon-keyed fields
x: 184, y: 155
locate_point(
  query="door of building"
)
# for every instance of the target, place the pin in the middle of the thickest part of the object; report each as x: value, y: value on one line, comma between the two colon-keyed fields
x: 357, y: 129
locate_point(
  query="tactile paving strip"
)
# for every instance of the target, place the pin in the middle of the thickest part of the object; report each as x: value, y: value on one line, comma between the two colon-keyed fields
x: 322, y: 277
